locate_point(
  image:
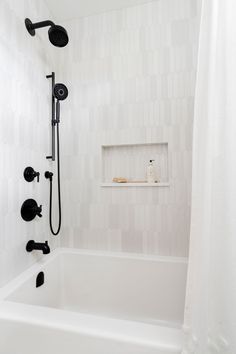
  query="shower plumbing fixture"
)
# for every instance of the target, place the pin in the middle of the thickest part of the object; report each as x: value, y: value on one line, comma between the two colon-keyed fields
x: 30, y: 209
x: 48, y: 175
x: 40, y: 279
x: 59, y: 93
x: 32, y: 245
x: 57, y: 34
x: 30, y: 174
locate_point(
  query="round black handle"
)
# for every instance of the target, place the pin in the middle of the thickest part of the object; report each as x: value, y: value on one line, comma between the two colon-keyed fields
x: 30, y: 209
x: 30, y: 174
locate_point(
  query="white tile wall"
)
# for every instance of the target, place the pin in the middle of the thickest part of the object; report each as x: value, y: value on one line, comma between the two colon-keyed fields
x: 24, y: 131
x: 131, y: 77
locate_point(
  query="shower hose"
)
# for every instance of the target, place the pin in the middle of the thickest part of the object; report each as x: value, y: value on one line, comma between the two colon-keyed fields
x: 59, y: 190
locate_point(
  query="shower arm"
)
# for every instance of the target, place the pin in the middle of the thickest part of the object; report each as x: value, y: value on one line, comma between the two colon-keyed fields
x: 53, y: 121
x: 31, y: 27
x: 42, y: 24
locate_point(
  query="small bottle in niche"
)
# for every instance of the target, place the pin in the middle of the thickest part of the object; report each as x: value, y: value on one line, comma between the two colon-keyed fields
x: 151, y: 172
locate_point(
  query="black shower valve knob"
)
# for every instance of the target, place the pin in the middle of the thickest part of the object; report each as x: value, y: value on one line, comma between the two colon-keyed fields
x: 30, y: 174
x: 30, y: 209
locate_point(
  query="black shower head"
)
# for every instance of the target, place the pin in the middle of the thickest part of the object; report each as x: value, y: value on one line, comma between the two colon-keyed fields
x: 60, y: 91
x: 57, y: 34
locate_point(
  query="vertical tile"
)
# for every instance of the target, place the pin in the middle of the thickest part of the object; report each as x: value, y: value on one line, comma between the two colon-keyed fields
x: 135, y: 84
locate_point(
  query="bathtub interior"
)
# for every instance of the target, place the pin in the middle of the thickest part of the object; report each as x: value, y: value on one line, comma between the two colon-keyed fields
x: 140, y: 289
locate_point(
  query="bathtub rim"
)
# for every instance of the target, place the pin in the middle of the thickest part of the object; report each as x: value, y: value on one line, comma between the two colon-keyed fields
x: 153, y: 336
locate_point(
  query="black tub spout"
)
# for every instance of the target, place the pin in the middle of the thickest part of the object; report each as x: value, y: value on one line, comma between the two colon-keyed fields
x: 32, y: 245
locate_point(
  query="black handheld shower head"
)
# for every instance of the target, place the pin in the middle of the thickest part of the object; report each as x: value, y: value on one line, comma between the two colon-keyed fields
x: 57, y: 34
x: 60, y: 92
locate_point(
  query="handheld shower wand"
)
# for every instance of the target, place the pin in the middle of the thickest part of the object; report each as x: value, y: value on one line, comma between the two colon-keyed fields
x: 59, y: 92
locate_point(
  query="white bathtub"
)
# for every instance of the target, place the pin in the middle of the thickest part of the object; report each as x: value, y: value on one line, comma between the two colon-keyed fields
x: 95, y: 303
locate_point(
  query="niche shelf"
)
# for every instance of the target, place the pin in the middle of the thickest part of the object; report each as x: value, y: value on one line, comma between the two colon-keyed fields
x: 131, y: 160
x: 134, y: 184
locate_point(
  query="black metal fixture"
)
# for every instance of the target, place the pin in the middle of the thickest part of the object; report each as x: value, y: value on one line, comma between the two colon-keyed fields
x: 59, y: 93
x: 30, y: 174
x: 40, y: 279
x: 48, y: 175
x: 57, y: 34
x: 53, y: 123
x: 30, y: 210
x: 38, y: 246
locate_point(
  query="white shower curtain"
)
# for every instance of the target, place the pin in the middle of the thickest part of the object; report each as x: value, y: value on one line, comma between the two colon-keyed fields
x: 210, y: 314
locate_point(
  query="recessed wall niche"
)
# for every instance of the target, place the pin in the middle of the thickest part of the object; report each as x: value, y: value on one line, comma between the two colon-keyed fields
x: 131, y: 161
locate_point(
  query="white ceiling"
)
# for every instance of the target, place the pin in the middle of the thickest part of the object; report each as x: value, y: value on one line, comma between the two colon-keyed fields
x: 63, y: 10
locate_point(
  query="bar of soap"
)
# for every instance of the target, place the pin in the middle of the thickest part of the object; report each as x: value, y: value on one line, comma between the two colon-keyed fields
x: 120, y: 180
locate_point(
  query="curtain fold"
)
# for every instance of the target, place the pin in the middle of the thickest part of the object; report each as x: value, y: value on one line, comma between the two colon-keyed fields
x: 210, y: 313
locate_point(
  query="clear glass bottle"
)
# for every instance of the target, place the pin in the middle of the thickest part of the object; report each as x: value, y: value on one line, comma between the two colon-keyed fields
x: 151, y: 172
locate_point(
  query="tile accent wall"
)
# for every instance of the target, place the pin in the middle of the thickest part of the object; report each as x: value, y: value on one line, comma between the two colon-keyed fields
x: 131, y: 78
x: 24, y: 131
